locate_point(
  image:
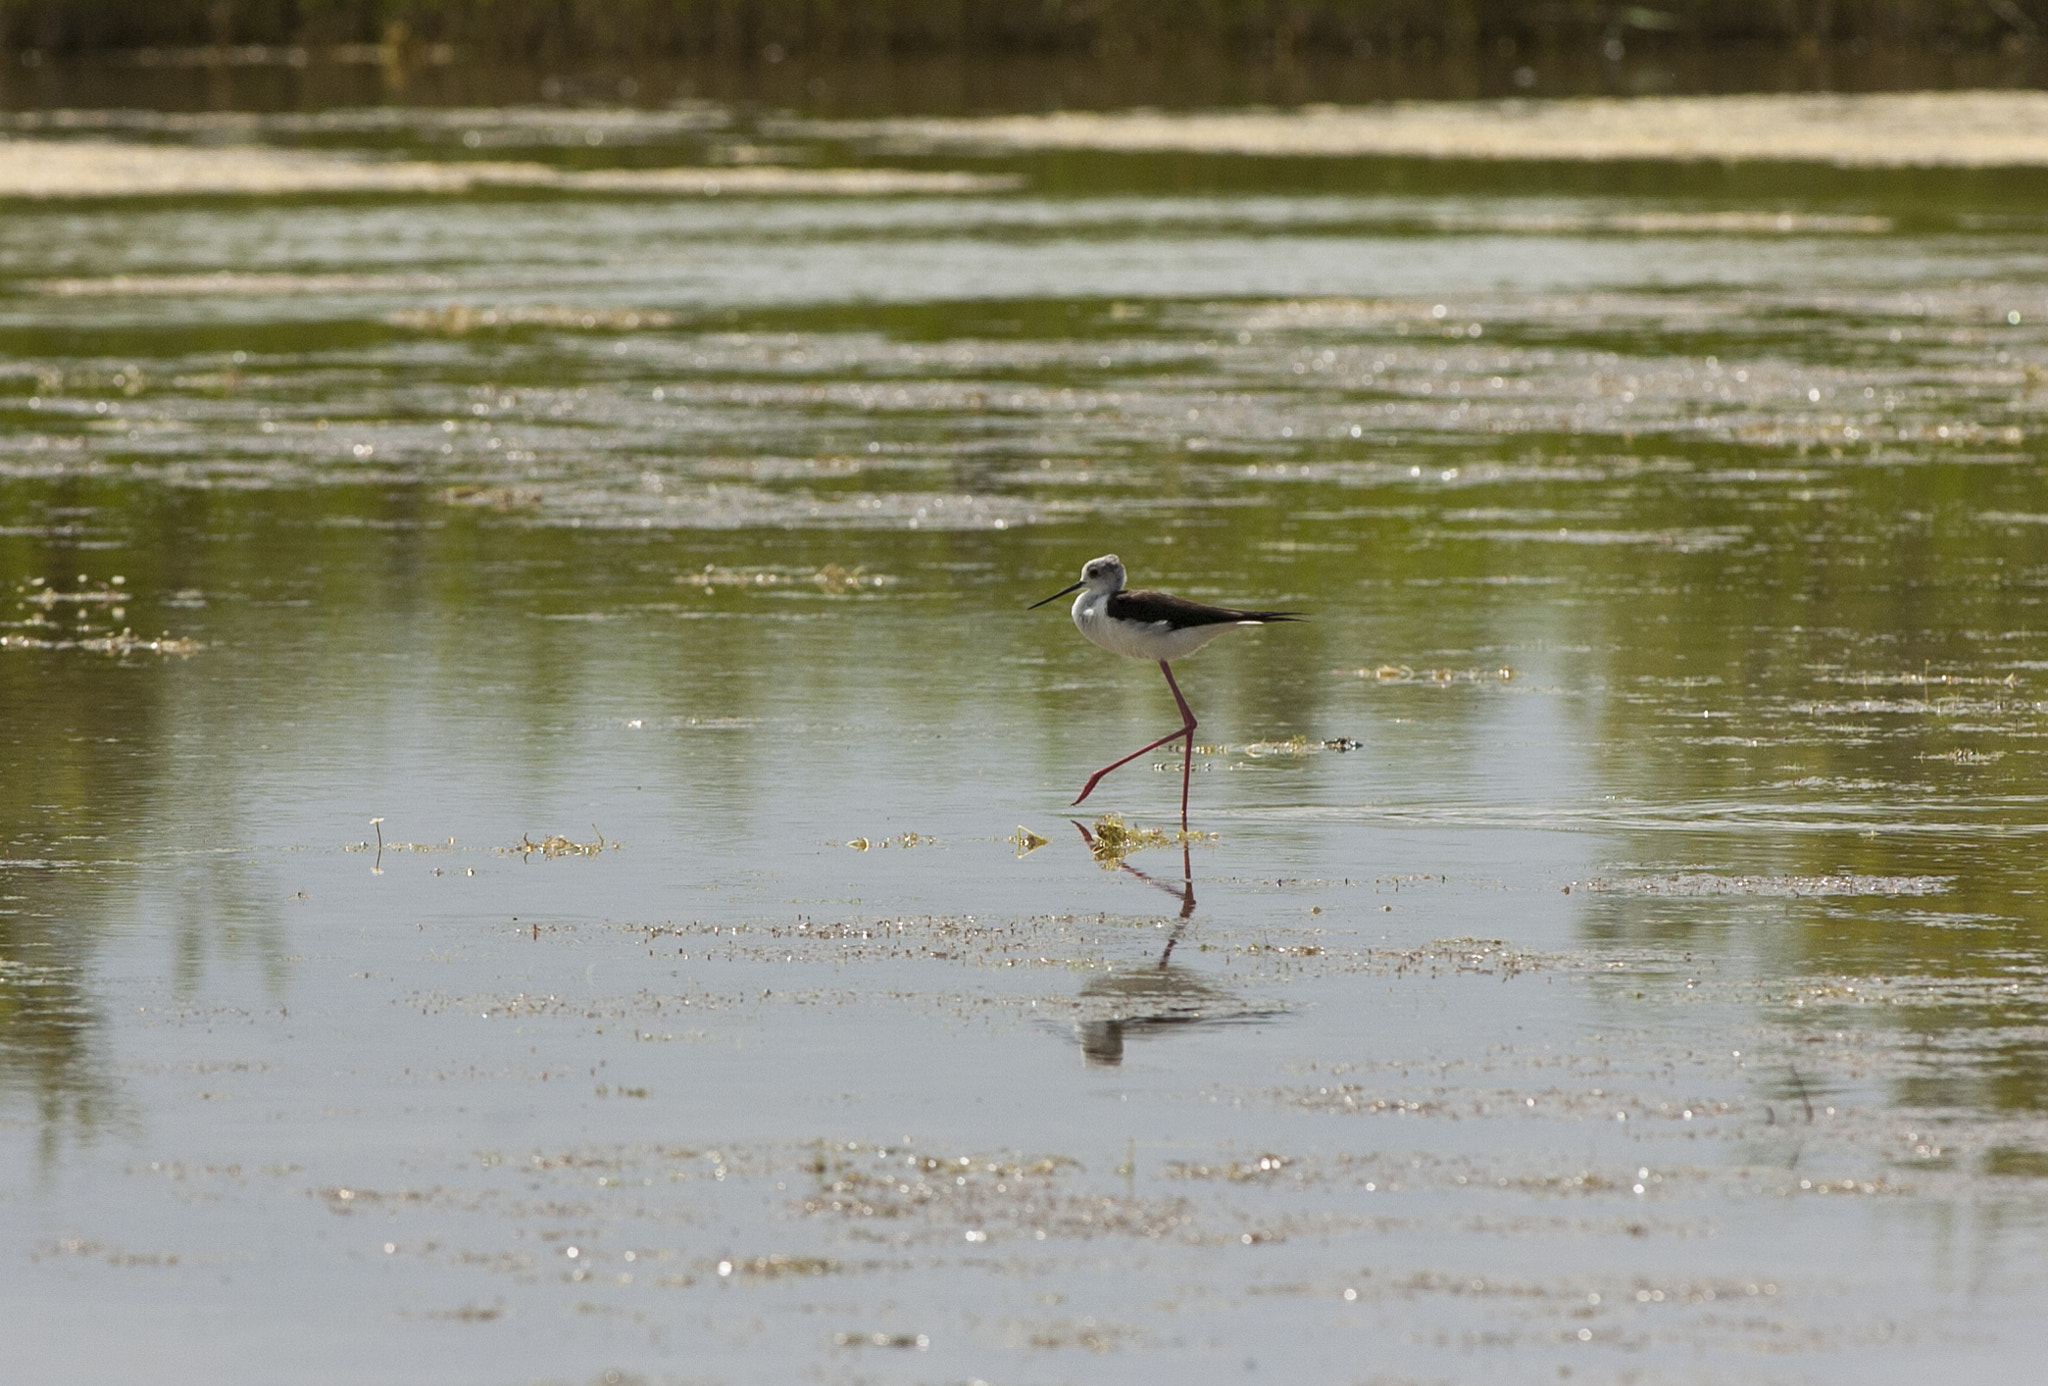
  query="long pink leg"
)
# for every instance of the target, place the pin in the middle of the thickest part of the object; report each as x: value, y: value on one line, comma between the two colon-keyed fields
x: 1187, y: 762
x: 1185, y: 730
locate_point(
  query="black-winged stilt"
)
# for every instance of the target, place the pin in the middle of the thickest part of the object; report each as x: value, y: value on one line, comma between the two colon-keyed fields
x: 1151, y: 625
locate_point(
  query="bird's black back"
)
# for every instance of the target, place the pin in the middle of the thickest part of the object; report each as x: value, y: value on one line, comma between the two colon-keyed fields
x: 1147, y: 607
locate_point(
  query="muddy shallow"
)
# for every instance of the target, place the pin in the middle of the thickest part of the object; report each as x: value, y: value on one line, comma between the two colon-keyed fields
x: 519, y: 711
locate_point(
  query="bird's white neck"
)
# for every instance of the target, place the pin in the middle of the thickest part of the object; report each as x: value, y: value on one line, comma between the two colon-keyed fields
x: 1092, y: 606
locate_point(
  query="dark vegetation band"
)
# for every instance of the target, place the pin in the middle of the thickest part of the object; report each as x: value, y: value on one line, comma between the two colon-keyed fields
x: 828, y: 27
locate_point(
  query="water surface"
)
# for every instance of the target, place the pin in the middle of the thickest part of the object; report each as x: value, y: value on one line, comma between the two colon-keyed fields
x: 1614, y: 950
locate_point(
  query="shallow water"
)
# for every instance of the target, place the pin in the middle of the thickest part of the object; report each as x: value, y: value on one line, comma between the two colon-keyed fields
x: 519, y: 709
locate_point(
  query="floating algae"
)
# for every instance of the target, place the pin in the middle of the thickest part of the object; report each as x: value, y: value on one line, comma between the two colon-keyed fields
x: 489, y: 497
x: 557, y: 846
x: 862, y: 844
x: 831, y: 579
x: 40, y: 629
x: 1026, y: 841
x: 777, y: 1265
x: 1113, y: 839
x: 123, y: 642
x: 459, y: 318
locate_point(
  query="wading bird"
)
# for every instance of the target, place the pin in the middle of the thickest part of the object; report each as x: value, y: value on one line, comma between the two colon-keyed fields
x: 1151, y: 625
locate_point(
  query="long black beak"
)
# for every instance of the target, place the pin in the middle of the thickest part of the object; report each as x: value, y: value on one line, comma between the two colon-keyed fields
x: 1057, y: 595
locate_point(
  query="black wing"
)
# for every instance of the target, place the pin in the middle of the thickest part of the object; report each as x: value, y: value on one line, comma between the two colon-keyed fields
x: 1146, y: 608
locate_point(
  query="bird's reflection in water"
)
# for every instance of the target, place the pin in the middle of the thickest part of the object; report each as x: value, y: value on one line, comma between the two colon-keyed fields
x: 1156, y: 995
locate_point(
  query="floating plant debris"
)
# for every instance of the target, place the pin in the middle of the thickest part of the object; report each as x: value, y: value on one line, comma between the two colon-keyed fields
x: 382, y: 846
x: 1402, y: 673
x: 122, y: 642
x: 42, y: 629
x: 489, y: 497
x: 557, y: 845
x: 918, y: 1341
x: 778, y: 1265
x: 1292, y: 746
x: 1705, y: 883
x: 831, y: 579
x: 457, y: 318
x: 1114, y: 839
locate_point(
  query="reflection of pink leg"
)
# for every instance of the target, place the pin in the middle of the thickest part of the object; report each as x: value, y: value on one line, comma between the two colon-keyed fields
x: 1186, y: 731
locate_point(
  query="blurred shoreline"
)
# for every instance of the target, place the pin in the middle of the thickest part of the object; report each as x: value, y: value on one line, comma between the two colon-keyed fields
x: 1115, y: 29
x: 287, y: 77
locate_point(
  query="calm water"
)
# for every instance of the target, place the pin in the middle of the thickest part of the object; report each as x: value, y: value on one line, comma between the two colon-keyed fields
x: 1616, y: 947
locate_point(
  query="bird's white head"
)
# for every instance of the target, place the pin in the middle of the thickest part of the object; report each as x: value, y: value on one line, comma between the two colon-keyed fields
x: 1101, y: 576
x: 1104, y: 574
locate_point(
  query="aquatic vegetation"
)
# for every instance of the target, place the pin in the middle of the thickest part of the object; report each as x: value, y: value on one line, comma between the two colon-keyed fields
x: 40, y: 626
x: 1698, y: 883
x: 862, y: 844
x: 832, y: 579
x: 503, y: 498
x: 1113, y: 839
x: 1401, y: 673
x: 881, y: 1339
x: 555, y: 845
x: 458, y: 318
x: 778, y: 1265
x: 1297, y: 745
x: 122, y: 642
x: 382, y: 846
